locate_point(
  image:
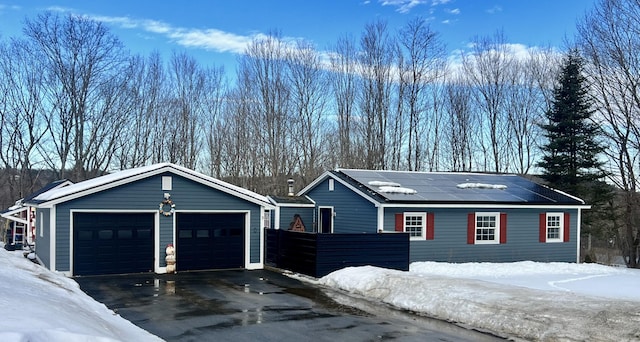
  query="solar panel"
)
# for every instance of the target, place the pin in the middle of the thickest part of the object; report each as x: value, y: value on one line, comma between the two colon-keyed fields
x: 457, y: 187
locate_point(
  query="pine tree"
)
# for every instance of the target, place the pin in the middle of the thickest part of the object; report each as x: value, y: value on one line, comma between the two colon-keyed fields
x: 570, y: 159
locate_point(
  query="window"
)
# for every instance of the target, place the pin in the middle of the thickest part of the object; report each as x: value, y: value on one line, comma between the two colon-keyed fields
x: 331, y: 186
x: 415, y: 225
x: 486, y: 228
x: 554, y: 227
x: 266, y: 217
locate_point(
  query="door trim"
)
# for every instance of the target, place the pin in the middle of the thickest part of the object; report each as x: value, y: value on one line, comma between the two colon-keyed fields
x: 320, y: 218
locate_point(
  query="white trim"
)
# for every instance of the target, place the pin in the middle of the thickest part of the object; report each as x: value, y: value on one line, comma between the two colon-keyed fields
x: 349, y: 186
x: 156, y: 231
x: 319, y: 229
x: 578, y: 228
x: 560, y: 237
x: 156, y: 242
x: 261, y: 231
x: 52, y: 238
x: 483, y: 206
x: 247, y: 235
x: 40, y: 224
x: 315, y: 182
x: 496, y: 234
x: 128, y: 176
x: 276, y: 218
x: 9, y: 214
x: 380, y: 219
x: 423, y: 231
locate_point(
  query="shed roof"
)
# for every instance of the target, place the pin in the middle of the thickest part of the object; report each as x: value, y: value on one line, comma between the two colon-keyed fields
x: 452, y: 187
x: 292, y: 201
x: 126, y: 176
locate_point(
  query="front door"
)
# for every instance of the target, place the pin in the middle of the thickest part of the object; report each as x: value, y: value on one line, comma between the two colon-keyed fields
x: 326, y: 220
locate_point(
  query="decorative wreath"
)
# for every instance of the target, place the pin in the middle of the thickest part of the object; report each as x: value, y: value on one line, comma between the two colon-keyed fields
x: 167, y: 203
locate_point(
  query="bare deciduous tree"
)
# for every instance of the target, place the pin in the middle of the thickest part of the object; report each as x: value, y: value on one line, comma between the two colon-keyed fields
x: 489, y: 69
x: 345, y: 84
x: 308, y: 83
x: 609, y: 37
x: 376, y: 60
x: 424, y: 64
x: 81, y: 61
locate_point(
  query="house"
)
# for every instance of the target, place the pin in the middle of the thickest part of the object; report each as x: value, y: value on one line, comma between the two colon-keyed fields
x: 123, y: 222
x: 21, y: 229
x: 452, y: 217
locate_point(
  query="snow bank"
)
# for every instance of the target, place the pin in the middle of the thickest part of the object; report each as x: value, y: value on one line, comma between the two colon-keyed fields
x: 39, y: 305
x: 450, y: 292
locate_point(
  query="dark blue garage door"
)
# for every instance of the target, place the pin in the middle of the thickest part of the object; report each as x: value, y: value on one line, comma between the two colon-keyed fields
x: 209, y: 241
x: 112, y: 243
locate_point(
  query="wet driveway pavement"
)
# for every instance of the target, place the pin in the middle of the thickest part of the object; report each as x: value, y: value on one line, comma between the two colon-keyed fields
x: 259, y: 305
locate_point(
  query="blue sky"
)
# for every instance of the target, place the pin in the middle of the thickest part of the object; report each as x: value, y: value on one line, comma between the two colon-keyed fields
x: 216, y: 31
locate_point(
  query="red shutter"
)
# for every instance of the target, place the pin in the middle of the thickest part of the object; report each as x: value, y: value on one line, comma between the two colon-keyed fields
x: 471, y: 228
x: 503, y: 227
x: 543, y: 227
x: 400, y: 222
x: 567, y: 226
x: 430, y: 226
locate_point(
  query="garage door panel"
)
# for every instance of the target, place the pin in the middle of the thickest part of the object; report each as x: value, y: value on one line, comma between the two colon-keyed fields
x: 210, y: 241
x: 112, y: 243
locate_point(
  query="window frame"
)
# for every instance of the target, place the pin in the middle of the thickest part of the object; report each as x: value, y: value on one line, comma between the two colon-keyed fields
x: 560, y: 227
x: 496, y: 233
x: 423, y: 230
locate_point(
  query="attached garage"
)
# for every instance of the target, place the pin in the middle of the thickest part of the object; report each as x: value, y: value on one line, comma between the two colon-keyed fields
x: 123, y: 223
x: 112, y: 243
x: 210, y: 240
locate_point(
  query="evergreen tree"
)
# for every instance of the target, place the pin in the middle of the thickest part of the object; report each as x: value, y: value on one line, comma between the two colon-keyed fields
x: 570, y: 161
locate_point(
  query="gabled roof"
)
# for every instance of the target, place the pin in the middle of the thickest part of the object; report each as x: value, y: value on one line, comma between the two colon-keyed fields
x: 449, y: 188
x: 115, y: 179
x: 53, y: 185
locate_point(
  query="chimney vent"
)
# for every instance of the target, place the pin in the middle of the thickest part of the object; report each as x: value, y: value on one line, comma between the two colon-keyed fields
x: 290, y: 183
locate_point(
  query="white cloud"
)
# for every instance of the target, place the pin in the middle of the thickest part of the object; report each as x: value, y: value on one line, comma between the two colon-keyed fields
x: 404, y: 6
x: 454, y: 11
x: 209, y: 39
x: 494, y: 10
x: 10, y: 7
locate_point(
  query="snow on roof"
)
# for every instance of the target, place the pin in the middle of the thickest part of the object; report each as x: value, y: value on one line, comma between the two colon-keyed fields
x: 381, y: 183
x: 126, y: 176
x: 481, y: 186
x: 396, y: 190
x: 452, y: 188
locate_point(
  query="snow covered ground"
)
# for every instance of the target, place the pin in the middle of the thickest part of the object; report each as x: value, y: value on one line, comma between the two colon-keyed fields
x: 39, y: 305
x: 522, y: 300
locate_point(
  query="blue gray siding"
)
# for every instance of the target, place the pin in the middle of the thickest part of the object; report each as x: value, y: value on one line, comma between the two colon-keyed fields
x: 43, y: 242
x: 146, y: 194
x: 450, y: 238
x: 307, y: 215
x: 353, y: 213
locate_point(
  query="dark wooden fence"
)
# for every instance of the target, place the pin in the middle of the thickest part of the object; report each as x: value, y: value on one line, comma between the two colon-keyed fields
x: 320, y: 254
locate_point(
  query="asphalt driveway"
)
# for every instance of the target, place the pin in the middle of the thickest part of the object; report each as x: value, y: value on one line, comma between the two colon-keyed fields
x: 258, y: 306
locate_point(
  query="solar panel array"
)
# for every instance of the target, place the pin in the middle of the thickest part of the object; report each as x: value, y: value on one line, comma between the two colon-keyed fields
x: 459, y: 187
